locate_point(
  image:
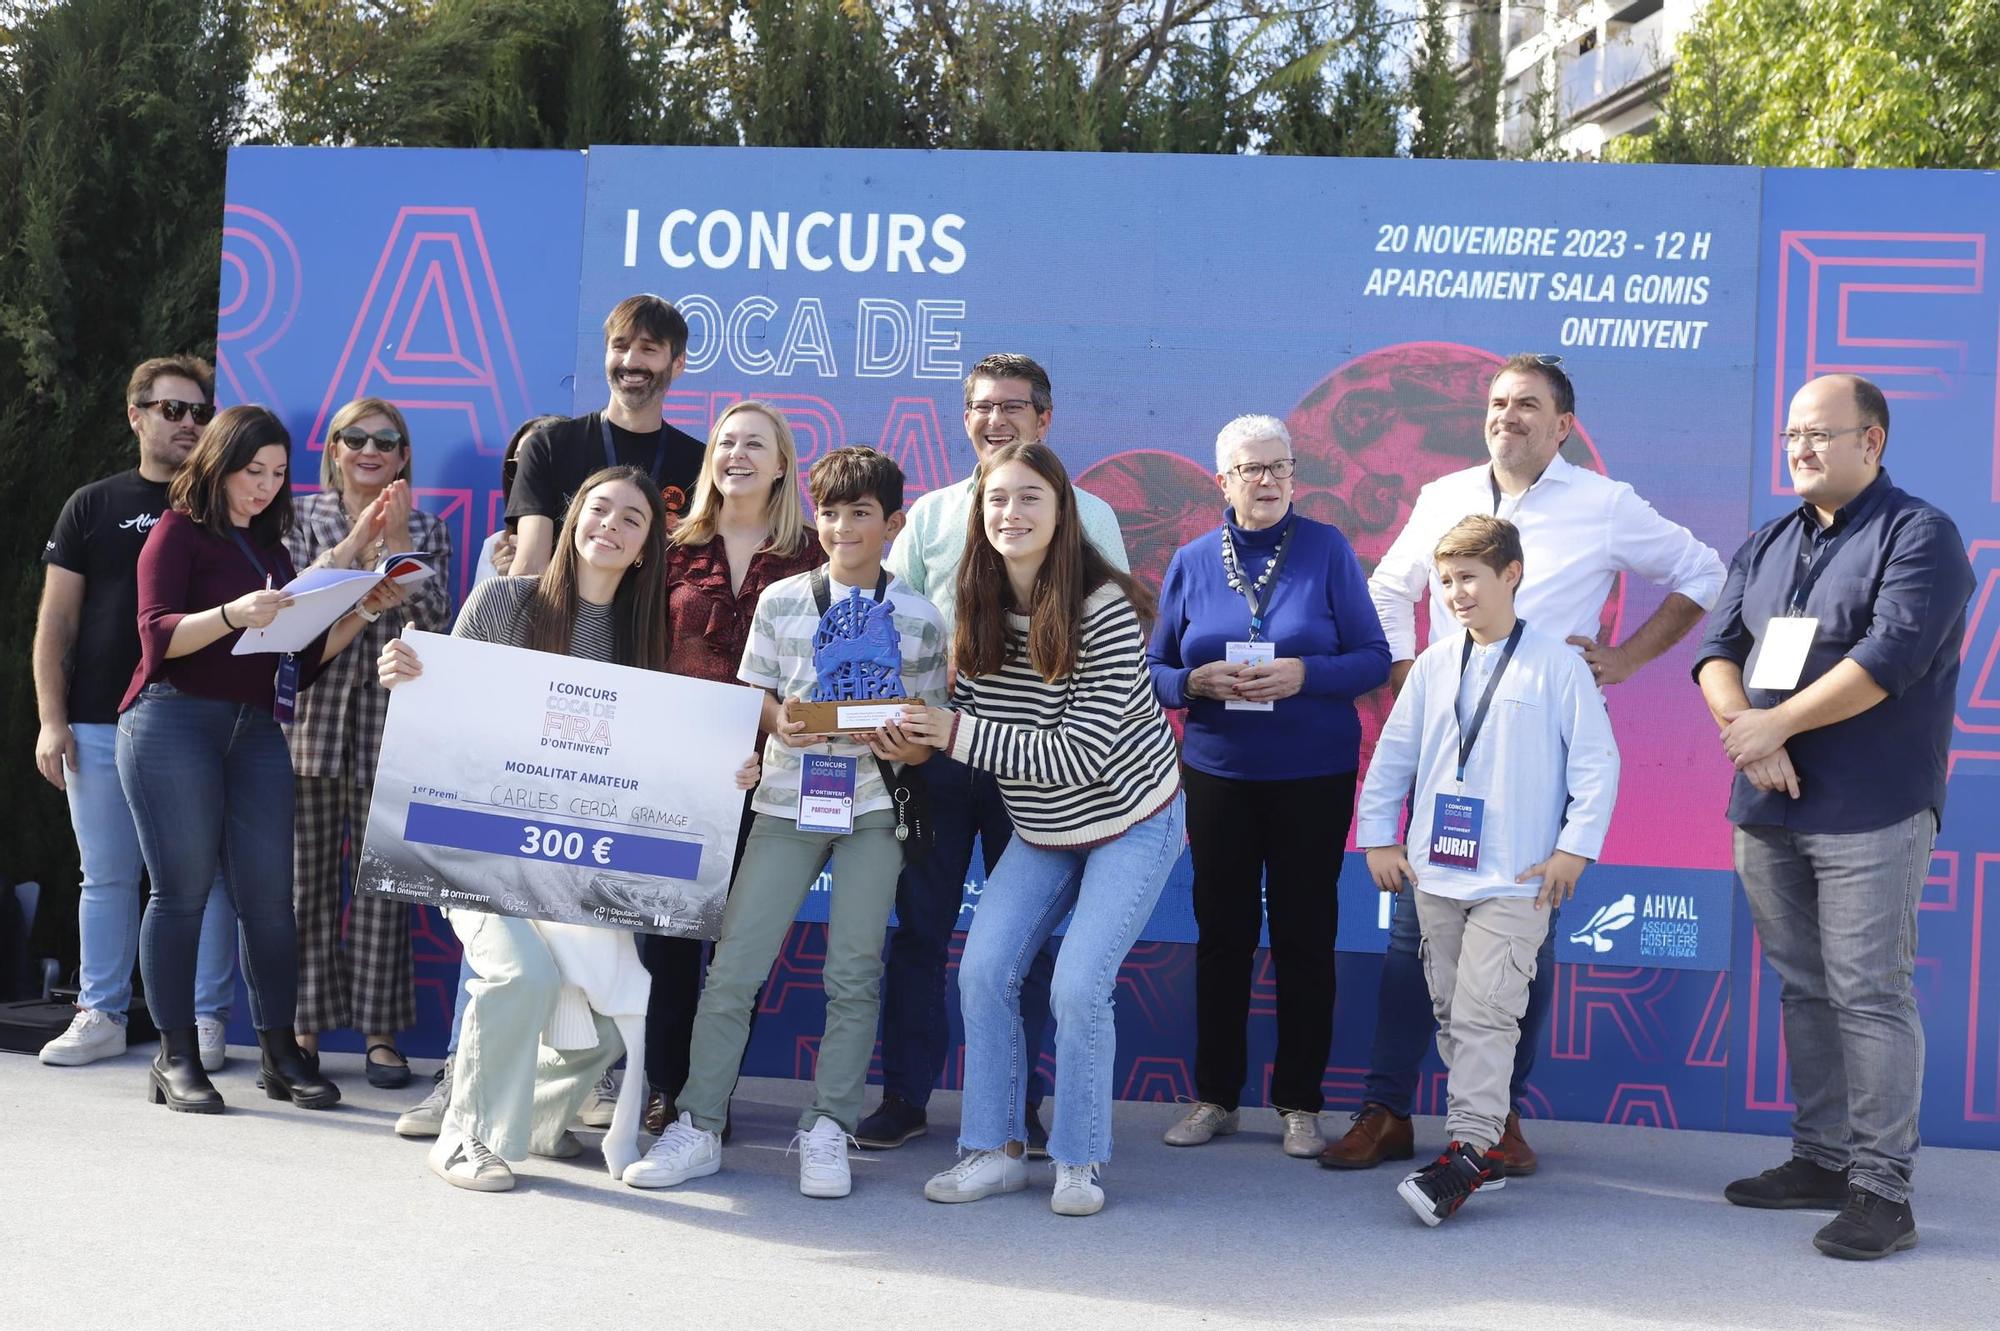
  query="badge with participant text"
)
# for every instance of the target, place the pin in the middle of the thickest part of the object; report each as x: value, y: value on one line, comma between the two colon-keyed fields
x: 826, y: 793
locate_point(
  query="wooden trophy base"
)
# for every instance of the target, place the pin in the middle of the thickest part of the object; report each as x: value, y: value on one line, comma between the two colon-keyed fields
x: 848, y: 718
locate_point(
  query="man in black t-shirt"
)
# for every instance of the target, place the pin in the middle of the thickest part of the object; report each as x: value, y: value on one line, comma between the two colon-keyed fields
x: 645, y: 347
x: 86, y: 648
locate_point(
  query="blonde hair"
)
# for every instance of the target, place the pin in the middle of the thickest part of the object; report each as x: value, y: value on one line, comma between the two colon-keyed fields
x: 353, y: 412
x: 784, y: 518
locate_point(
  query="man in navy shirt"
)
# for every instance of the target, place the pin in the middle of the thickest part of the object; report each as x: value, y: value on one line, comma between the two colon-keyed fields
x: 1831, y: 665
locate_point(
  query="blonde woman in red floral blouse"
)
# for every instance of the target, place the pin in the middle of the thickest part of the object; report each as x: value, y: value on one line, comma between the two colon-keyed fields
x: 745, y: 530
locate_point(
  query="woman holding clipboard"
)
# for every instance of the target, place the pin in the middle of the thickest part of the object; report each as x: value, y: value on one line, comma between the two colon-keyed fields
x: 200, y: 754
x: 602, y: 598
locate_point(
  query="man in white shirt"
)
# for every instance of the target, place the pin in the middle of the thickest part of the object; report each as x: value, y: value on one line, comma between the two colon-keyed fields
x: 1008, y: 398
x: 1580, y: 531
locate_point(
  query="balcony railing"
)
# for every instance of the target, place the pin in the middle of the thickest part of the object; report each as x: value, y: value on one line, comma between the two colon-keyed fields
x: 1625, y: 57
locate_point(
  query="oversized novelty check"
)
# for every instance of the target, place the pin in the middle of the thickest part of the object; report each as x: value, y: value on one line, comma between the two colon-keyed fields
x: 528, y: 784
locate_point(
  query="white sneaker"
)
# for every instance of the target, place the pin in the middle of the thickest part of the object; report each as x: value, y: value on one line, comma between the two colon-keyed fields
x: 211, y: 1035
x: 91, y: 1035
x: 1076, y: 1191
x: 463, y: 1161
x: 599, y: 1104
x: 823, y: 1168
x: 427, y: 1119
x: 1303, y: 1140
x: 682, y: 1152
x: 978, y: 1174
x: 1203, y: 1123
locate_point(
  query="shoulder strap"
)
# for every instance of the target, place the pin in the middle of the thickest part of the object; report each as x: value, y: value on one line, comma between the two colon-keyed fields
x: 822, y: 587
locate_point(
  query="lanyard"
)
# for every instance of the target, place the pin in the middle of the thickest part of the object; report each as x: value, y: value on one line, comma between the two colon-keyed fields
x: 1814, y: 566
x: 236, y: 535
x: 659, y: 467
x: 1469, y: 735
x: 1249, y: 591
x: 823, y: 588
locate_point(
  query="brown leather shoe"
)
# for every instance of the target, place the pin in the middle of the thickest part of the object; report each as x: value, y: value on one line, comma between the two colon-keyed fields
x: 1377, y: 1135
x: 1515, y: 1151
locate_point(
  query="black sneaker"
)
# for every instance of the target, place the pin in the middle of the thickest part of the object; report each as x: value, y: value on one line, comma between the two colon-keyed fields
x: 1796, y: 1185
x: 1868, y: 1227
x: 894, y: 1122
x: 1436, y: 1191
x: 1038, y: 1136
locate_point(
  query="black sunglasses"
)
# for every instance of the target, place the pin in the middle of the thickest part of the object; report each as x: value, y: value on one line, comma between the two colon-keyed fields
x: 382, y: 441
x: 173, y: 409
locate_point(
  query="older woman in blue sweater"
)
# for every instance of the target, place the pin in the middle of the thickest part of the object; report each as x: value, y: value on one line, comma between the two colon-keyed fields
x: 1266, y: 636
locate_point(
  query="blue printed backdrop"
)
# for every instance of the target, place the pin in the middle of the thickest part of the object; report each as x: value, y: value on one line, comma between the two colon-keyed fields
x: 1365, y: 301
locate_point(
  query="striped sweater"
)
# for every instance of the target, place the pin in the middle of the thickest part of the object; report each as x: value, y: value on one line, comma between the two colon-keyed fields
x: 1080, y: 760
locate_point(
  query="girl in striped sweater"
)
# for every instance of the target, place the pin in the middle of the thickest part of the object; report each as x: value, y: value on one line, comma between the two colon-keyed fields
x: 1053, y: 698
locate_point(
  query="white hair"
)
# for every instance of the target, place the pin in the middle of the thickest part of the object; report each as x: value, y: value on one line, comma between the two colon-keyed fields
x: 1248, y: 430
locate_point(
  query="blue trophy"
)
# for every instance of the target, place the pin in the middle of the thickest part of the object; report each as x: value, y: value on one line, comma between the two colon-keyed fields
x: 858, y: 661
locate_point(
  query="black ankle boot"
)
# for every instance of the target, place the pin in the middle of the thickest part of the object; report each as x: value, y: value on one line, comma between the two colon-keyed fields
x: 290, y: 1073
x: 176, y: 1079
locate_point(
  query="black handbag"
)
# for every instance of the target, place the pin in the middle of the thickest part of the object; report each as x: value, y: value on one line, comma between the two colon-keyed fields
x: 912, y: 794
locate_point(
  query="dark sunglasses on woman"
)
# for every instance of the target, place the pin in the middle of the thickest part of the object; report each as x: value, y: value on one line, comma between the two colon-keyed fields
x: 382, y: 441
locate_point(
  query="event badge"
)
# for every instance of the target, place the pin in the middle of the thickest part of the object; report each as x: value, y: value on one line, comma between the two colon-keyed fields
x: 285, y: 705
x: 1249, y: 654
x: 826, y: 793
x: 1455, y: 824
x: 1782, y: 651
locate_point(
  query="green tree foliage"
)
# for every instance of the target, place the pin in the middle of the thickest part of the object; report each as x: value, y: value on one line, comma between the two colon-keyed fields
x: 115, y: 118
x: 1454, y: 116
x: 458, y: 73
x: 1833, y: 83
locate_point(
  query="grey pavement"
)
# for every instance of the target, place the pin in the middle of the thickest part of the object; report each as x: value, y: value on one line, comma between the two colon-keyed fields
x: 117, y: 1213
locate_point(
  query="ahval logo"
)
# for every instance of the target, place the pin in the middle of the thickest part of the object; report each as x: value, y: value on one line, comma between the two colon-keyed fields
x: 1608, y: 920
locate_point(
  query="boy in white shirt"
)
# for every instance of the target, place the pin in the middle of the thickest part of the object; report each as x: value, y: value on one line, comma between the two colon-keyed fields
x: 1501, y: 737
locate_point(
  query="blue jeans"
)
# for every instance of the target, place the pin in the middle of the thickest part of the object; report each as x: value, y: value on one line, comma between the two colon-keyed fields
x: 1405, y: 1027
x: 1837, y: 914
x: 916, y: 1025
x: 107, y: 910
x: 1112, y: 888
x: 210, y: 784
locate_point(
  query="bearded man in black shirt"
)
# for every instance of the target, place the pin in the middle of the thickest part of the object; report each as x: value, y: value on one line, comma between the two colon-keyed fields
x: 645, y: 349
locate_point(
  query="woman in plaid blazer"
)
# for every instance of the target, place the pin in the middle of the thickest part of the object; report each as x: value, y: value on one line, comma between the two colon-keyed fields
x: 361, y: 513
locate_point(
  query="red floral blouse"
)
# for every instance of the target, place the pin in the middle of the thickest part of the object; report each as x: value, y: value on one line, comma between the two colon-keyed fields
x: 707, y: 626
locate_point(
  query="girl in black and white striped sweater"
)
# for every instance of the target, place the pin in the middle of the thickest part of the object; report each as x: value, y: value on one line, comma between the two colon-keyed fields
x: 1054, y: 699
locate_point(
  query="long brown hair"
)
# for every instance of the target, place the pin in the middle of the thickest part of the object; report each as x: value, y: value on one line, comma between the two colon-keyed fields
x: 638, y: 607
x: 1071, y: 570
x: 227, y: 445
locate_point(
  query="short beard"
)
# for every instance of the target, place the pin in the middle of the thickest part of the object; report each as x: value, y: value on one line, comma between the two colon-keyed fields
x: 655, y: 389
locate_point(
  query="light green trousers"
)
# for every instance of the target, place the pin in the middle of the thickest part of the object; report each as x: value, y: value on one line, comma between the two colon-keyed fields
x: 507, y: 1088
x: 780, y: 865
